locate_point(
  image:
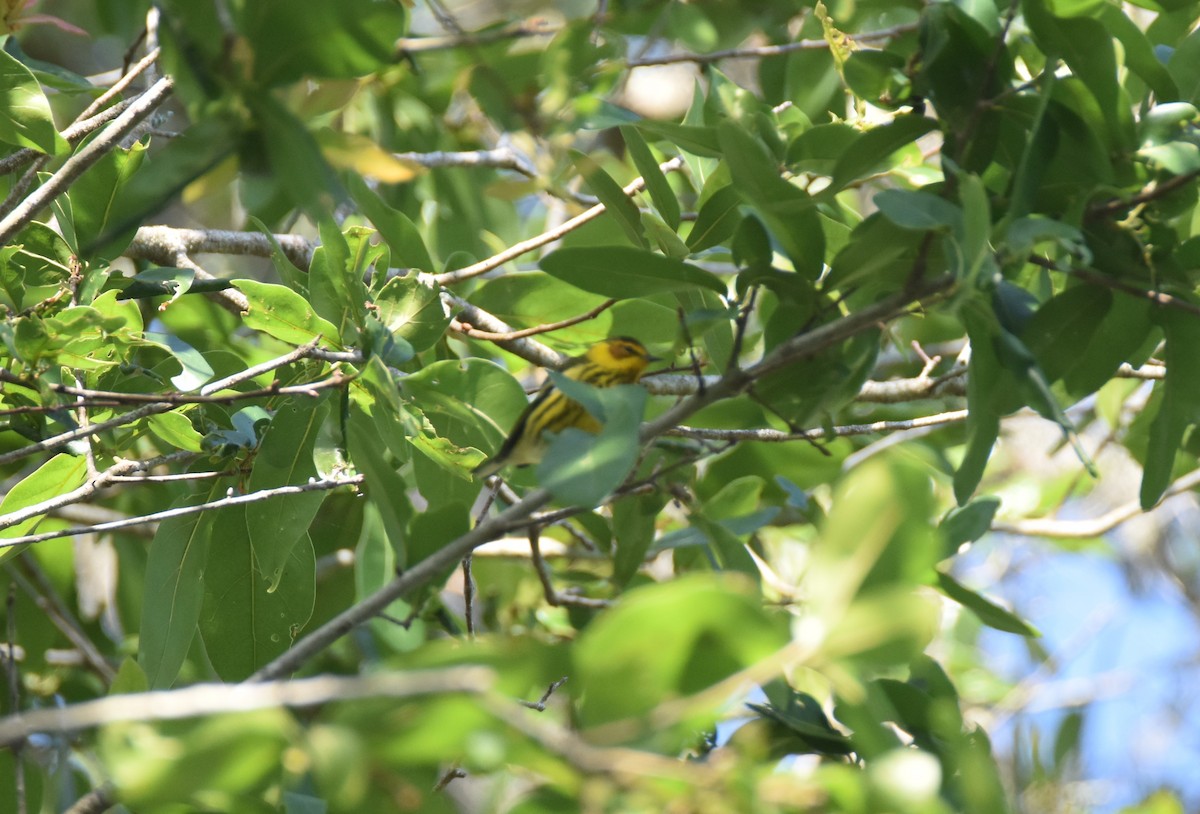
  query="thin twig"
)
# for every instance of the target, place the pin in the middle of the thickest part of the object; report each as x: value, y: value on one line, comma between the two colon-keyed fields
x: 540, y: 704
x: 778, y: 436
x: 34, y: 582
x: 553, y: 597
x: 764, y: 51
x: 93, y: 484
x: 548, y: 327
x: 1150, y: 192
x: 1094, y: 527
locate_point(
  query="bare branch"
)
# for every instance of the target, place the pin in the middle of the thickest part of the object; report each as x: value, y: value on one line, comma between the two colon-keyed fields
x: 475, y: 333
x: 1086, y: 529
x: 82, y: 493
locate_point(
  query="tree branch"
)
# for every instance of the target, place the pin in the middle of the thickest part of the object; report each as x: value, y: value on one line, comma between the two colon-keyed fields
x: 154, y: 517
x: 200, y: 700
x: 77, y: 164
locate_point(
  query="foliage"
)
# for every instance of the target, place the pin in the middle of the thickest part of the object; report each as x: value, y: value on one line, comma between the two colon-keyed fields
x: 266, y: 465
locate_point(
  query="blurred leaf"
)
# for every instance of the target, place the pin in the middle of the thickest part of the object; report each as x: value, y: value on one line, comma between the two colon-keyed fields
x: 988, y: 611
x: 669, y: 641
x: 580, y: 468
x: 1180, y: 407
x: 342, y: 40
x: 25, y: 117
x: 365, y: 158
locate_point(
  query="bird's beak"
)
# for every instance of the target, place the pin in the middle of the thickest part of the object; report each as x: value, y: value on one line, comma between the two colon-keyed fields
x: 652, y: 358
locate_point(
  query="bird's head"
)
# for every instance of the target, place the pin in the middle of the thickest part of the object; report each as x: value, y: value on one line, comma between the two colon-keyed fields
x: 622, y: 355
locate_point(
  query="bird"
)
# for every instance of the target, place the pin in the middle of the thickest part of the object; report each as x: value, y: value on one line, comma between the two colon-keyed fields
x: 616, y: 360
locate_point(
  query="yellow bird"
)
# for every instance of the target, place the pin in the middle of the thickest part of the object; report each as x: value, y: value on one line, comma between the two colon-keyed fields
x: 618, y: 360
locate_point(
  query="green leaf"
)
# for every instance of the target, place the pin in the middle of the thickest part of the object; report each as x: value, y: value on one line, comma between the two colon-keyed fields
x: 295, y: 159
x: 244, y: 624
x: 177, y: 430
x: 1180, y: 406
x: 174, y: 590
x: 622, y: 272
x: 398, y: 231
x: 668, y: 640
x: 93, y: 204
x: 384, y: 488
x: 701, y: 141
x: 1139, y: 52
x: 918, y: 210
x: 25, y: 116
x: 988, y: 611
x: 580, y: 468
x: 282, y: 313
x: 1086, y: 45
x: 633, y: 523
x: 285, y: 458
x: 656, y: 183
x: 59, y: 475
x: 866, y: 153
x: 616, y: 202
x: 966, y: 524
x: 789, y: 212
x: 411, y: 308
x: 335, y: 287
x: 717, y: 219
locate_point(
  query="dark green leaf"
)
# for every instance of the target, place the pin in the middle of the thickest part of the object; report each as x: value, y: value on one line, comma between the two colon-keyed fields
x: 656, y: 183
x: 988, y: 611
x: 285, y: 458
x: 616, y: 202
x: 621, y: 272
